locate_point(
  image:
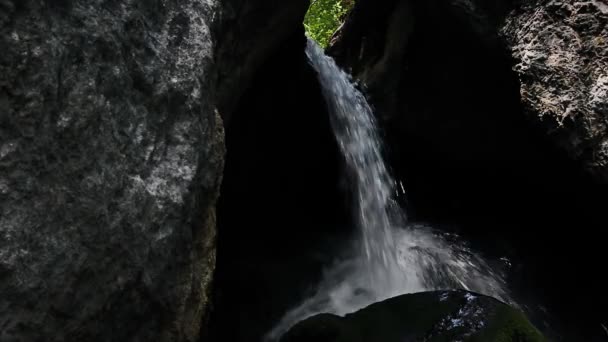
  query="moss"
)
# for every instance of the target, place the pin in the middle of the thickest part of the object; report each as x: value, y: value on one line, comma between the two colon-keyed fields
x: 415, y: 314
x: 324, y: 17
x: 509, y: 324
x: 430, y: 316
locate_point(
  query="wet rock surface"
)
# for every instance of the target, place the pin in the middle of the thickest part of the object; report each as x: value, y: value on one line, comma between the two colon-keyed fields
x: 431, y: 316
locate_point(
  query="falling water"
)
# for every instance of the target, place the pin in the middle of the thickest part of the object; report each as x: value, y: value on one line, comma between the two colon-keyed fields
x: 391, y: 257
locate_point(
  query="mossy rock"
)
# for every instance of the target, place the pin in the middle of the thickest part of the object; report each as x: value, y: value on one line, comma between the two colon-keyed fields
x: 441, y: 316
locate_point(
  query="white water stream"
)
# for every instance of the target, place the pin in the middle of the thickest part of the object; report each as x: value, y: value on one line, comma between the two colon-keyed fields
x: 391, y: 256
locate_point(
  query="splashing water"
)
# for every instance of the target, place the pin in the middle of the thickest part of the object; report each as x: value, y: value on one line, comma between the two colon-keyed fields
x: 391, y: 257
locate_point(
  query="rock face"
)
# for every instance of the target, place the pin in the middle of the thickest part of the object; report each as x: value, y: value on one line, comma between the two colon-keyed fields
x: 110, y: 165
x: 561, y: 54
x: 111, y: 157
x: 431, y: 316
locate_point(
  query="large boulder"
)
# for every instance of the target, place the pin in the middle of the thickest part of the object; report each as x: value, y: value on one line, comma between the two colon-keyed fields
x: 111, y: 157
x: 111, y: 160
x: 431, y: 316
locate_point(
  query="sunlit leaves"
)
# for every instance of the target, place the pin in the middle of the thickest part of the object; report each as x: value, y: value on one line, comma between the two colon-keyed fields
x: 324, y: 17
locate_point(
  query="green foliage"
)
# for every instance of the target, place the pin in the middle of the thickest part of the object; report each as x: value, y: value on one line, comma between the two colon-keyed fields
x: 324, y: 17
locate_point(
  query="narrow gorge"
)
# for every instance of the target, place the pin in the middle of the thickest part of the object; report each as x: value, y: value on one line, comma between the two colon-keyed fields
x: 201, y: 170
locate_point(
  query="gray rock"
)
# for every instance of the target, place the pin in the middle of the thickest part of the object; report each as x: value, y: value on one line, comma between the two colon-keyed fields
x: 561, y: 53
x: 111, y: 156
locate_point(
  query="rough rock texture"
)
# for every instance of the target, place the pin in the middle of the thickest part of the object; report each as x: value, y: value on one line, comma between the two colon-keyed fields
x: 111, y: 159
x: 111, y: 156
x: 561, y: 55
x: 430, y: 316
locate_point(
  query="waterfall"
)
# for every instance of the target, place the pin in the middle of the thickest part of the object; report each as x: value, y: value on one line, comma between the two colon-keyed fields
x: 391, y: 256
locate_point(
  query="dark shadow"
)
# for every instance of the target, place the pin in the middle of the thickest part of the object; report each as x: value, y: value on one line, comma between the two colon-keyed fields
x: 281, y: 209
